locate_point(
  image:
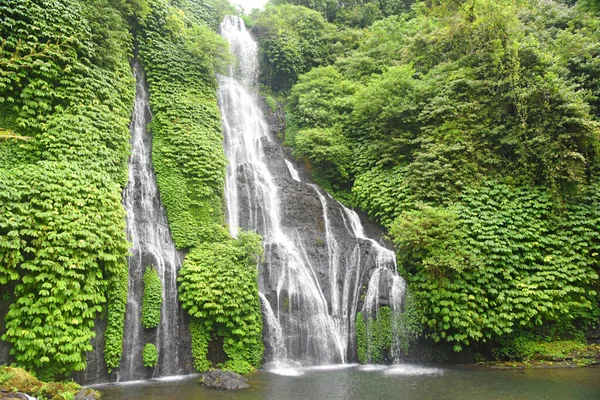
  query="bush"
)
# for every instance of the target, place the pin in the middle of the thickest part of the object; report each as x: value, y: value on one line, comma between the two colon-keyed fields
x: 150, y: 355
x: 152, y: 301
x: 217, y: 287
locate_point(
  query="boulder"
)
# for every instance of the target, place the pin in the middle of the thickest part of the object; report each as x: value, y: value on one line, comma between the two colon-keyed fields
x: 20, y: 380
x: 224, y: 380
x: 87, y: 394
x: 13, y: 396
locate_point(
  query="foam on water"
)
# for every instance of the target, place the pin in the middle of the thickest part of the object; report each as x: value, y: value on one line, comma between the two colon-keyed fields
x: 284, y: 368
x: 412, y: 370
x: 373, y: 367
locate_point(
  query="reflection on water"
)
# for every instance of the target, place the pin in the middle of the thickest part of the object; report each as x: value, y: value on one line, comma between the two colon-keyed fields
x: 371, y: 382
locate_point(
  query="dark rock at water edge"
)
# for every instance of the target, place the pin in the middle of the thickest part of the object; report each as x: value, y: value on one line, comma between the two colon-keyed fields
x: 224, y: 380
x: 5, y: 301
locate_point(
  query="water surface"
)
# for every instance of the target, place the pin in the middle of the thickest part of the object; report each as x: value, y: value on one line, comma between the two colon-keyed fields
x: 402, y: 381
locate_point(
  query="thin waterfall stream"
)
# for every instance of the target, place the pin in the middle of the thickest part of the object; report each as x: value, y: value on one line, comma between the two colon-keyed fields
x: 152, y: 246
x: 320, y: 268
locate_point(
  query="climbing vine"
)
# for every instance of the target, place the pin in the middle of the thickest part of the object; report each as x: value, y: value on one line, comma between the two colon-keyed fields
x: 200, y: 341
x: 361, y: 338
x: 150, y: 355
x: 65, y: 86
x: 115, y: 324
x: 152, y: 299
x: 218, y: 288
x: 188, y: 155
x: 61, y: 234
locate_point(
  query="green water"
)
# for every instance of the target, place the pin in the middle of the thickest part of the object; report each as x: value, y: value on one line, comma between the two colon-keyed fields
x: 401, y: 382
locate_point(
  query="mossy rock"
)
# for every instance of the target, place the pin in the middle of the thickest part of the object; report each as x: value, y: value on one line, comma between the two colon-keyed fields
x: 15, y: 380
x: 13, y: 396
x: 18, y: 379
x: 59, y: 390
x: 87, y: 394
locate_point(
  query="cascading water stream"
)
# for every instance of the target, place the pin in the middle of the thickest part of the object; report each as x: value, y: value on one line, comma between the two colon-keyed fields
x: 152, y: 246
x: 396, y: 286
x: 317, y: 257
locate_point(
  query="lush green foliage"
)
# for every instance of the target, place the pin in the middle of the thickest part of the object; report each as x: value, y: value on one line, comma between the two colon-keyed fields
x: 187, y: 143
x: 503, y: 260
x: 66, y: 86
x: 295, y: 39
x: 218, y: 288
x: 470, y: 131
x: 361, y: 338
x: 386, y: 335
x: 115, y: 324
x: 150, y: 355
x: 152, y: 300
x: 526, y: 347
x: 361, y: 13
x: 69, y: 84
x: 489, y: 105
x: 200, y: 339
x: 61, y: 237
x: 374, y: 336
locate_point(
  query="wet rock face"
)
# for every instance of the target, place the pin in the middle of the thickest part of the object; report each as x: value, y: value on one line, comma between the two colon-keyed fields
x: 343, y: 273
x: 96, y: 370
x: 224, y: 380
x: 4, y: 346
x: 6, y: 299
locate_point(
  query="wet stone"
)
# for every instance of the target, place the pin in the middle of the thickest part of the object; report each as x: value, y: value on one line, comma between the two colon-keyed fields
x: 224, y: 380
x: 87, y: 394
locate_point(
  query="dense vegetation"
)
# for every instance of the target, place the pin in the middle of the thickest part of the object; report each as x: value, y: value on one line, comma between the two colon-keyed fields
x: 66, y: 93
x: 218, y: 288
x: 150, y: 355
x: 374, y: 337
x: 152, y: 299
x: 187, y: 151
x: 469, y: 129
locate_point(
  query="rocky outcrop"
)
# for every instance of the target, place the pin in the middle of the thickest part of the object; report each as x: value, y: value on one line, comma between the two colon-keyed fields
x: 303, y: 222
x: 224, y: 380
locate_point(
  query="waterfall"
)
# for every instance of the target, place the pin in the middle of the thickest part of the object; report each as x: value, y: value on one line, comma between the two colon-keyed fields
x: 318, y: 261
x: 393, y: 283
x: 152, y: 245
